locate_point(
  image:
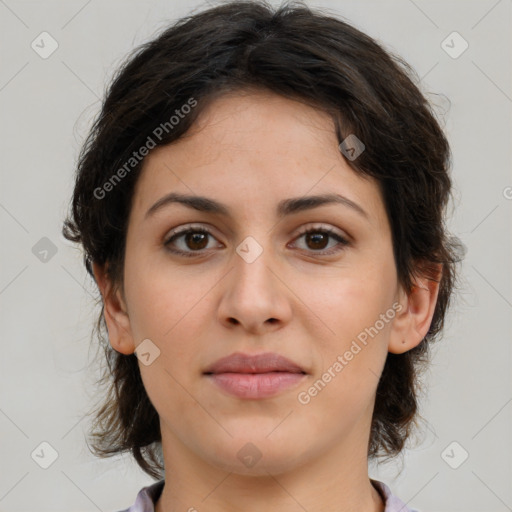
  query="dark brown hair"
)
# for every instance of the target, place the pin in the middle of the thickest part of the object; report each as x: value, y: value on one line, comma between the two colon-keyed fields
x: 302, y: 54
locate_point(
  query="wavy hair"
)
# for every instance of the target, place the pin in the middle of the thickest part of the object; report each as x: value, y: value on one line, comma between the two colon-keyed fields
x: 298, y: 53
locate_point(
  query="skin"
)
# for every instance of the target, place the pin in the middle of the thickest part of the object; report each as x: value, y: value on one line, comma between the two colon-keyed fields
x: 249, y: 151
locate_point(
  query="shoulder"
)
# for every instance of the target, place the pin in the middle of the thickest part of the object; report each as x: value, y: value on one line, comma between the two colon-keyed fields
x: 392, y: 502
x: 146, y: 498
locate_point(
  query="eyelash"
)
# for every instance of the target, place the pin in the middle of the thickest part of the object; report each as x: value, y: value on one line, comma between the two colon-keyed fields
x: 190, y: 254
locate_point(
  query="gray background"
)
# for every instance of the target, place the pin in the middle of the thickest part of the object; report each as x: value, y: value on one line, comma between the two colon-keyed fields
x: 47, y: 307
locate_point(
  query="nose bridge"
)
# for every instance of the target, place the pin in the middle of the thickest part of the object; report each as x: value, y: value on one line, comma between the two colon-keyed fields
x: 253, y: 263
x: 254, y: 295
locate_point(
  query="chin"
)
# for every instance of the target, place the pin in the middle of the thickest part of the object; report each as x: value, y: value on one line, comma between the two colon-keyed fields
x: 258, y: 456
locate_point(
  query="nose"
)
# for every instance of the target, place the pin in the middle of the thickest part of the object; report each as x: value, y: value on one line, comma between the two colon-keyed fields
x: 255, y: 297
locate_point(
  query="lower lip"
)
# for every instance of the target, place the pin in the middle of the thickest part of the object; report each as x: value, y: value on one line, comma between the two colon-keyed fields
x: 256, y: 385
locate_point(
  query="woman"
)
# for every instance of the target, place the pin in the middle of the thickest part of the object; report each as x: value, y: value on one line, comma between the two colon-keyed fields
x: 261, y: 203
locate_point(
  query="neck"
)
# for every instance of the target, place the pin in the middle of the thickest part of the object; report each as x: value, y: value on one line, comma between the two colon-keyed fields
x: 336, y: 481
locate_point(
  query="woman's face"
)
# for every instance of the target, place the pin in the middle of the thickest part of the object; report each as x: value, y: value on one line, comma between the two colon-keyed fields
x: 257, y: 284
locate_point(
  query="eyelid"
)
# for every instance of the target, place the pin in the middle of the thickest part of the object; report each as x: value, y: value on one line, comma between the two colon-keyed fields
x: 342, y: 238
x: 182, y: 230
x: 322, y: 227
x: 186, y: 227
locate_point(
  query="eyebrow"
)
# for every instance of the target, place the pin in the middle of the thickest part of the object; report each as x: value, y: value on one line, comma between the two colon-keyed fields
x: 284, y: 208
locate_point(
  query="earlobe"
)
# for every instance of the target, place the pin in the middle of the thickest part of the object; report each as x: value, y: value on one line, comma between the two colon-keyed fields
x: 413, y: 321
x: 115, y: 311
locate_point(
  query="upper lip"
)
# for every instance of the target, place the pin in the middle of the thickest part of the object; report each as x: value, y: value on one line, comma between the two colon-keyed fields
x: 258, y: 363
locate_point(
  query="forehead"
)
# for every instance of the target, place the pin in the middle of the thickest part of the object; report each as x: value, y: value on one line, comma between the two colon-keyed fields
x: 251, y: 150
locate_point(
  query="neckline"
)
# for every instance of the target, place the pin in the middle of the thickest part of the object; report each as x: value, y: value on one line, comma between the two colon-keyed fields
x: 155, y: 491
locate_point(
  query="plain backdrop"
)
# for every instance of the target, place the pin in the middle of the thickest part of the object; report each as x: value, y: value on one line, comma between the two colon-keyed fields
x: 47, y: 300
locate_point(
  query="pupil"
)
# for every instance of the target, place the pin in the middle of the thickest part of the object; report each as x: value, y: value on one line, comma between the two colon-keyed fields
x: 317, y: 238
x: 194, y: 238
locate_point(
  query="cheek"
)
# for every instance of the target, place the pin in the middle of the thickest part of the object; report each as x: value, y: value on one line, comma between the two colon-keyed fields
x: 171, y: 314
x: 353, y: 301
x: 351, y: 361
x: 161, y: 298
x: 358, y: 310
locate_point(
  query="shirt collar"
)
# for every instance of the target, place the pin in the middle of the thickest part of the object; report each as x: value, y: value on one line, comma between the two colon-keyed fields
x: 392, y: 502
x: 148, y: 496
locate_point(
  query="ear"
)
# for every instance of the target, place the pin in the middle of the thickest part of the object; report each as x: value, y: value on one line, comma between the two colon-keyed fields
x: 413, y: 319
x: 115, y: 311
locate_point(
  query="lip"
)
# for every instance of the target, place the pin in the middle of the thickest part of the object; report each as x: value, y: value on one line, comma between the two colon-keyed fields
x: 266, y: 362
x: 255, y: 376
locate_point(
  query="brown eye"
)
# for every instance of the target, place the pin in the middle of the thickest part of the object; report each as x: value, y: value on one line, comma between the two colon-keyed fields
x: 196, y: 240
x: 317, y: 240
x: 189, y: 242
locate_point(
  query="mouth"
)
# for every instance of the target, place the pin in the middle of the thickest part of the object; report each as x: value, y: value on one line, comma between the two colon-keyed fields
x: 255, y: 376
x: 267, y: 362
